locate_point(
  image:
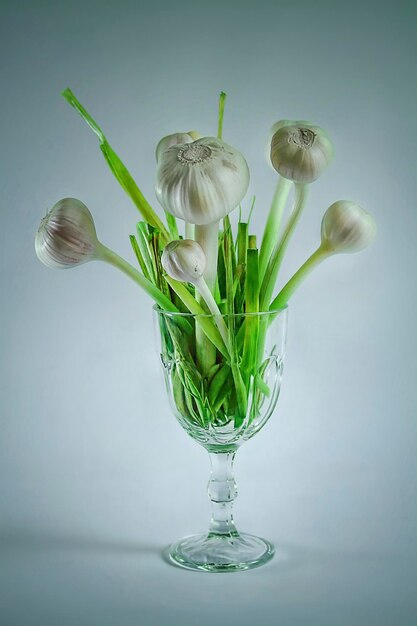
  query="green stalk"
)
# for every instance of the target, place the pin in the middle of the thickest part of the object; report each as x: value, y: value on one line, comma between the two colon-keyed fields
x: 227, y: 228
x: 251, y: 209
x: 207, y: 296
x: 273, y: 224
x: 155, y: 247
x: 178, y: 393
x: 240, y: 277
x: 144, y: 246
x: 214, y: 370
x: 295, y: 281
x: 242, y: 243
x: 242, y: 247
x: 240, y: 335
x: 139, y: 256
x: 240, y: 388
x: 217, y: 383
x: 249, y: 358
x: 111, y: 257
x: 221, y: 270
x: 261, y: 385
x: 172, y: 225
x: 221, y: 397
x: 119, y: 169
x: 274, y: 264
x: 210, y: 330
x: 222, y: 102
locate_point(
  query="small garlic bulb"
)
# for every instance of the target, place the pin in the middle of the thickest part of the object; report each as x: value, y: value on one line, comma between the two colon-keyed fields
x: 300, y: 151
x: 346, y: 227
x: 202, y: 181
x: 184, y: 260
x: 171, y: 140
x: 67, y: 235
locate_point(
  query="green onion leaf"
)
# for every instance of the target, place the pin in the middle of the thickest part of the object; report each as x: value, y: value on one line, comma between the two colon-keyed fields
x: 118, y: 168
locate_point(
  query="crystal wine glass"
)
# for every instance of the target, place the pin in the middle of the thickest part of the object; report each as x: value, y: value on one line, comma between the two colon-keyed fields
x: 221, y: 409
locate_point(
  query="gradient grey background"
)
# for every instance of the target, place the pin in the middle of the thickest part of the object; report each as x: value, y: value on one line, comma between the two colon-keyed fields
x: 96, y: 477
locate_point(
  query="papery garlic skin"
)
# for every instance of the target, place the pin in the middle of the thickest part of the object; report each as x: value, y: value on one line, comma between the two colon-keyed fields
x: 202, y: 181
x: 346, y: 227
x: 300, y: 151
x: 67, y: 235
x: 171, y: 140
x: 272, y: 131
x: 184, y: 260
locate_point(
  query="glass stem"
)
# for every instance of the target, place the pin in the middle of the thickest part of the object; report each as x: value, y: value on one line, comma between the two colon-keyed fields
x: 222, y: 491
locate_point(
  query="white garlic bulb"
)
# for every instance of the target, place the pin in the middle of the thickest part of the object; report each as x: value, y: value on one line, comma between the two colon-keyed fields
x: 202, y: 181
x: 171, y: 140
x: 346, y: 227
x: 272, y: 131
x: 300, y: 151
x: 67, y: 235
x: 184, y: 260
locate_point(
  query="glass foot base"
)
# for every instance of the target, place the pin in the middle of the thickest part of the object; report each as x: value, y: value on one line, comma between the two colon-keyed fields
x: 221, y: 553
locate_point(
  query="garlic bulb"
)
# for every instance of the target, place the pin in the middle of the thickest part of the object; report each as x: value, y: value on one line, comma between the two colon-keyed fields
x: 272, y: 131
x: 202, y: 181
x: 184, y: 260
x: 67, y: 235
x: 346, y: 227
x: 300, y: 151
x: 171, y: 140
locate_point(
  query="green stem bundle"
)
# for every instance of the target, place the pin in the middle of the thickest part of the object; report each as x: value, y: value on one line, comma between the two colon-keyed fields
x: 277, y: 256
x: 249, y: 359
x: 217, y: 356
x: 273, y: 224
